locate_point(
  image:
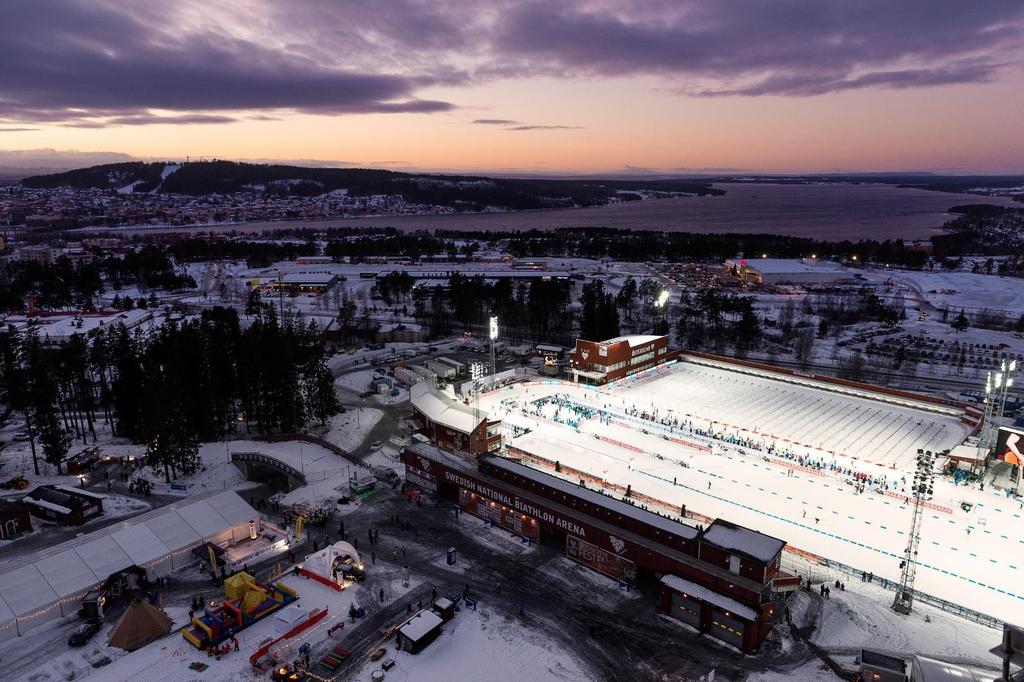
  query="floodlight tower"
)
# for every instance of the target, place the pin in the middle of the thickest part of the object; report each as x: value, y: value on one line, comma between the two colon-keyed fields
x: 924, y: 477
x: 494, y: 338
x: 661, y: 303
x: 476, y: 372
x: 996, y: 388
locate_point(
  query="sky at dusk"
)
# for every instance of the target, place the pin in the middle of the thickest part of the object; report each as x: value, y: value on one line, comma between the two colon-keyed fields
x: 524, y: 87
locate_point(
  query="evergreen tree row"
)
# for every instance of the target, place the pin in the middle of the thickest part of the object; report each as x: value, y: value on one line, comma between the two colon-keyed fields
x: 171, y: 387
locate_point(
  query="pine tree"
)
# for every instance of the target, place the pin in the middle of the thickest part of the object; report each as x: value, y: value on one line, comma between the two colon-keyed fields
x: 960, y: 322
x: 54, y: 440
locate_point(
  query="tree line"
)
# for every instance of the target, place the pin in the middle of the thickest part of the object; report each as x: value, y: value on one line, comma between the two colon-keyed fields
x: 171, y: 387
x: 63, y: 285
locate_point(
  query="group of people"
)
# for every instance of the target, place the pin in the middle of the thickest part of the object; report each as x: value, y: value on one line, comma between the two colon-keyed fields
x: 140, y: 486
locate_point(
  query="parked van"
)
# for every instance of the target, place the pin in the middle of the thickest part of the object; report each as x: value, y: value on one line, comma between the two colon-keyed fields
x: 387, y: 475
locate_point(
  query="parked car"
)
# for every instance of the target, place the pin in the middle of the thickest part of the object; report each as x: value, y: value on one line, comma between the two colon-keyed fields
x: 376, y: 445
x: 387, y: 475
x: 20, y: 437
x: 84, y: 632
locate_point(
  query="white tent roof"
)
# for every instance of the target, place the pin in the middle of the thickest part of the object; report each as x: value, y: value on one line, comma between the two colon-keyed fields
x: 320, y: 562
x: 37, y: 580
x: 442, y: 409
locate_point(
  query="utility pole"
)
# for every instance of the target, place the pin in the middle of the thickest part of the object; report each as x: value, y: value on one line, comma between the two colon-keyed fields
x: 924, y: 477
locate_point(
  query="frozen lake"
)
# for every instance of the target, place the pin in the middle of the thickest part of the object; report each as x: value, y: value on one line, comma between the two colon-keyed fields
x: 829, y: 212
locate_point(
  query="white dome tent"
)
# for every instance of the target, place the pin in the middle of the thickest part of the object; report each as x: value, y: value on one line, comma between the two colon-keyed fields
x: 333, y: 565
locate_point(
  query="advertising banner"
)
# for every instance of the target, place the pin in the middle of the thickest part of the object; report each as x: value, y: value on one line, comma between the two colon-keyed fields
x: 598, y: 559
x: 1010, y: 445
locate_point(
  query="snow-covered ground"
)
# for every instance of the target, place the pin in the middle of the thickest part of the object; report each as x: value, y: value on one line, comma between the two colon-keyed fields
x: 763, y: 408
x: 349, y: 430
x: 861, y: 616
x: 484, y: 644
x: 172, y: 654
x: 814, y: 671
x: 971, y: 558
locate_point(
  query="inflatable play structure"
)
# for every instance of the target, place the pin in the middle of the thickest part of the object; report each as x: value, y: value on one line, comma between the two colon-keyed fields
x: 333, y: 565
x: 246, y: 600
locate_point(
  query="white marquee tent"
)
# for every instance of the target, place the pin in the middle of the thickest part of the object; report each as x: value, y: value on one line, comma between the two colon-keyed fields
x: 49, y: 584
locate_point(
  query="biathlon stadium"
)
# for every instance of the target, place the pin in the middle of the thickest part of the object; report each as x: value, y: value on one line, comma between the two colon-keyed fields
x: 822, y: 462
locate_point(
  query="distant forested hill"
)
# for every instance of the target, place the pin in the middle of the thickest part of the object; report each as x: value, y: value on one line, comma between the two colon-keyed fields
x: 462, y: 192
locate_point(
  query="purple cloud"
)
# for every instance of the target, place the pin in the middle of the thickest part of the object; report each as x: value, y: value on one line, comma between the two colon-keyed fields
x: 75, y: 60
x: 750, y: 47
x: 542, y: 127
x: 99, y: 63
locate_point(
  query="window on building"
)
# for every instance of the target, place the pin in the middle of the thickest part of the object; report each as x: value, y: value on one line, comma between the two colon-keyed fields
x: 640, y: 359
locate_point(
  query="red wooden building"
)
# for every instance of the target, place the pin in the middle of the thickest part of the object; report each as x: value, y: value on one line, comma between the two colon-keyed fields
x: 729, y: 586
x: 602, y: 362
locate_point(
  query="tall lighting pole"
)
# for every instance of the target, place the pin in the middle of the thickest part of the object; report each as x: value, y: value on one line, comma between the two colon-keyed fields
x: 924, y: 477
x: 476, y: 372
x: 494, y: 338
x: 662, y: 304
x: 996, y: 388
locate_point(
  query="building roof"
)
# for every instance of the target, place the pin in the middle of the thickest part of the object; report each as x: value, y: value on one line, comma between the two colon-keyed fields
x: 704, y: 594
x: 728, y: 535
x: 634, y: 340
x: 420, y: 625
x: 308, y: 278
x: 881, y: 660
x: 37, y: 580
x: 932, y: 670
x: 610, y: 503
x: 786, y: 266
x: 444, y: 410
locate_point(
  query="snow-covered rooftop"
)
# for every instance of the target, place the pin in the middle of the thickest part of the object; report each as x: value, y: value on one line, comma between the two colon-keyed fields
x: 730, y: 536
x: 60, y: 509
x: 633, y: 341
x: 420, y: 625
x: 794, y: 265
x: 619, y: 507
x: 308, y: 278
x: 442, y: 409
x: 33, y: 583
x: 704, y: 594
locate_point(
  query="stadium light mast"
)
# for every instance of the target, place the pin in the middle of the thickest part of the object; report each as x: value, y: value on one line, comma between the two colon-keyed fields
x: 924, y: 478
x: 476, y: 372
x: 996, y: 389
x: 661, y: 303
x: 494, y: 338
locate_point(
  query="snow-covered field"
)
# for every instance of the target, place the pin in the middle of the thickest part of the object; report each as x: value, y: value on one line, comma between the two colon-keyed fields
x: 349, y: 430
x: 958, y: 289
x: 484, y: 645
x: 763, y: 408
x: 972, y: 558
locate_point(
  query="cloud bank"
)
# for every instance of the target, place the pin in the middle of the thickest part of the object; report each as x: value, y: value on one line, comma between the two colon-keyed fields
x: 100, y: 63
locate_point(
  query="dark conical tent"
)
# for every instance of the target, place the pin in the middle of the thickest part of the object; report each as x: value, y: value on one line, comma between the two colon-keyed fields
x: 139, y: 625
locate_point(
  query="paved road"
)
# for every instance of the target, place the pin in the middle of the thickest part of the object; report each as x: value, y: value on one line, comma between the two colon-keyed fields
x: 614, y: 637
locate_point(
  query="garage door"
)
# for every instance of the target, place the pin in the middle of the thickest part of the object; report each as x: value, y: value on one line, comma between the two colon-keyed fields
x: 727, y: 628
x: 686, y: 610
